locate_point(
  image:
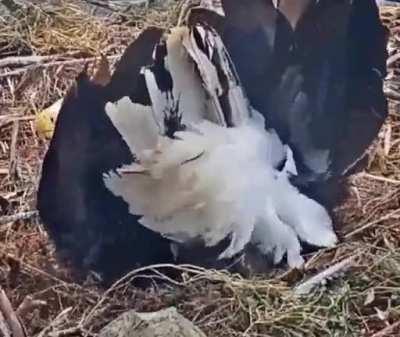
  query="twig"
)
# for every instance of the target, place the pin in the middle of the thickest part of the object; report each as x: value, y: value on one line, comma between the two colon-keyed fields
x: 56, y: 321
x: 392, y: 94
x: 16, y: 217
x: 27, y: 60
x: 307, y: 286
x: 13, y: 148
x: 54, y: 64
x: 9, y: 119
x: 387, y: 142
x: 386, y: 331
x: 393, y: 59
x: 10, y: 316
x: 28, y: 79
x: 28, y: 304
x: 379, y: 178
x: 66, y: 332
x: 372, y: 223
x: 128, y: 277
x: 29, y: 269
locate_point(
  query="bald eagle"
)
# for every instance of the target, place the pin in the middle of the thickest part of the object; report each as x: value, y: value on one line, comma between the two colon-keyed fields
x: 238, y: 129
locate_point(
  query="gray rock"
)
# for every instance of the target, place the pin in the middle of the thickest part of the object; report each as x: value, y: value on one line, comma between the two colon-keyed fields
x: 164, y: 323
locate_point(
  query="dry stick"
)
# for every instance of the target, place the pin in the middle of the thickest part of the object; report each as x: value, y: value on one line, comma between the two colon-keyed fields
x: 307, y: 286
x: 29, y: 269
x: 388, y: 330
x: 390, y: 93
x: 13, y: 61
x: 12, y: 118
x: 372, y: 223
x: 393, y: 59
x: 387, y: 142
x: 186, y: 267
x: 28, y: 79
x: 61, y: 317
x: 16, y: 217
x: 10, y: 316
x: 54, y: 64
x: 378, y: 178
x: 66, y: 332
x: 13, y: 148
x: 4, y: 121
x: 28, y: 304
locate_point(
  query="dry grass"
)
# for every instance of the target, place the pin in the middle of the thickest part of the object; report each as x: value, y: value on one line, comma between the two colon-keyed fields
x: 365, y: 301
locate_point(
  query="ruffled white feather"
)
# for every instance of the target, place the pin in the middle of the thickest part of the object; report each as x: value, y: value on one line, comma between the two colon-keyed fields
x: 211, y: 181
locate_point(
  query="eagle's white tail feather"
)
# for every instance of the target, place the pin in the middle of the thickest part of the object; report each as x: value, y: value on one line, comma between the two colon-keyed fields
x: 135, y: 124
x: 308, y: 218
x: 149, y: 184
x: 210, y: 181
x: 228, y: 188
x: 272, y: 235
x: 214, y: 195
x: 290, y: 215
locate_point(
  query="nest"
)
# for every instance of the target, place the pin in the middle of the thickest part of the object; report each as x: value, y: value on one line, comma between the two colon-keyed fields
x: 42, y: 51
